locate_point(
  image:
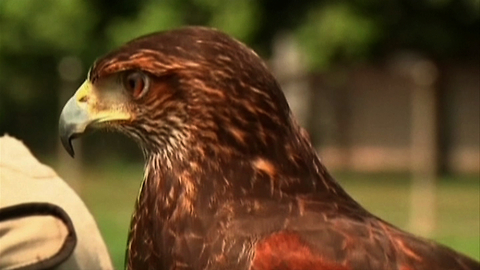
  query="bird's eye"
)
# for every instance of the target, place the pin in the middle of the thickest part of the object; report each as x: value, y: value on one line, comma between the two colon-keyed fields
x: 136, y: 83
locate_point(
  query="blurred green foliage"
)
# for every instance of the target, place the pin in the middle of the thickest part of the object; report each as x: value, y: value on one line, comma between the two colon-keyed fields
x: 36, y: 35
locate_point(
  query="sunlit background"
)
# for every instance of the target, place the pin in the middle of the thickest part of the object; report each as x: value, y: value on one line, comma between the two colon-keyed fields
x: 389, y: 91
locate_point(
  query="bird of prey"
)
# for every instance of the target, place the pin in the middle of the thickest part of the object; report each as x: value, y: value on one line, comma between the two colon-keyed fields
x: 231, y: 180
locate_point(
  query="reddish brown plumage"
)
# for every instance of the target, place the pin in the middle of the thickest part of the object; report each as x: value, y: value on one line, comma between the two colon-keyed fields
x: 231, y: 180
x: 286, y: 250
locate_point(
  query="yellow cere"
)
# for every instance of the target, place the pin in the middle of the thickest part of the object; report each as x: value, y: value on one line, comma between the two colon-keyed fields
x: 110, y: 112
x: 84, y: 90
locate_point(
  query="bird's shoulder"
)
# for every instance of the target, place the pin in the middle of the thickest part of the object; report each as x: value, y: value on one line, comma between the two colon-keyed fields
x: 307, y: 233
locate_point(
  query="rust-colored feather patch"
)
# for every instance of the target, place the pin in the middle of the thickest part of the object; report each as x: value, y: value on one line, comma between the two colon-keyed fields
x: 287, y: 251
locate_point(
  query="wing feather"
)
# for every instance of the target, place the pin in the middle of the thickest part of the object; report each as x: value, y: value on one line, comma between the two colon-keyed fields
x: 340, y: 237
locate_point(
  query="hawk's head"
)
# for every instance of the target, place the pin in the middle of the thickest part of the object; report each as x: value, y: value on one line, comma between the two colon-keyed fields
x: 171, y: 90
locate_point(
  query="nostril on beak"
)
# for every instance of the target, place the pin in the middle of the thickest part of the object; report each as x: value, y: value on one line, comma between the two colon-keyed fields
x: 83, y: 99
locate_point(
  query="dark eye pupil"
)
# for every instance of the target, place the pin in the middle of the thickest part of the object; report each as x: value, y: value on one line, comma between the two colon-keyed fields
x: 132, y: 83
x: 135, y: 83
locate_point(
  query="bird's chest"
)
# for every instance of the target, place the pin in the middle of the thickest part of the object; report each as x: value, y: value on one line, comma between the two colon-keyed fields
x: 187, y: 244
x: 185, y: 240
x: 207, y: 244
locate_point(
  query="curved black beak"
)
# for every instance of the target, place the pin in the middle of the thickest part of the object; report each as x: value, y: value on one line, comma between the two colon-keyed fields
x: 73, y: 123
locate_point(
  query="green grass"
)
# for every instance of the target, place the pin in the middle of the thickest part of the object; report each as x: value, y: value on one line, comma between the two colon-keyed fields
x: 110, y: 193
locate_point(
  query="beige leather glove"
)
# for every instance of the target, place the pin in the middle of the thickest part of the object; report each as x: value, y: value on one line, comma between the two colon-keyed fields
x: 43, y: 223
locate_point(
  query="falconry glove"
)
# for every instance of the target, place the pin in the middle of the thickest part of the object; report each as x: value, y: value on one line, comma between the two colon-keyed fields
x: 43, y: 222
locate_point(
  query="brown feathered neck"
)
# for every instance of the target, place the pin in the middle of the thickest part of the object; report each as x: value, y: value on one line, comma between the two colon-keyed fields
x: 216, y: 122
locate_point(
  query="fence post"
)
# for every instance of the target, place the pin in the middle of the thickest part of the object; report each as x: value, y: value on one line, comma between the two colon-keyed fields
x: 424, y: 147
x: 289, y: 68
